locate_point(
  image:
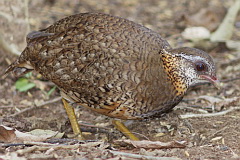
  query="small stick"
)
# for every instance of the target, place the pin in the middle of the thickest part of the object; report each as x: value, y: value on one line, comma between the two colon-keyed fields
x: 44, y: 103
x: 195, y: 109
x: 3, y: 107
x: 131, y: 155
x: 209, y: 114
x: 50, y: 101
x: 42, y: 147
x: 93, y: 126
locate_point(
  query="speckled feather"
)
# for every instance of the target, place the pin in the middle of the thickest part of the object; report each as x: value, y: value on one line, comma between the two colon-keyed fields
x: 106, y: 63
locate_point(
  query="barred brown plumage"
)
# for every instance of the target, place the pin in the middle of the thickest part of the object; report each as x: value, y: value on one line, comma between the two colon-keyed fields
x: 113, y: 66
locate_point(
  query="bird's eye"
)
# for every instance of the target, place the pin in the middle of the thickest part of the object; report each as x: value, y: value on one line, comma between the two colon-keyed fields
x: 200, y: 66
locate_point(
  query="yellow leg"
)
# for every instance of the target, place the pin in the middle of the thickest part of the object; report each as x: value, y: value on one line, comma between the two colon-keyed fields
x: 73, y: 120
x: 122, y: 128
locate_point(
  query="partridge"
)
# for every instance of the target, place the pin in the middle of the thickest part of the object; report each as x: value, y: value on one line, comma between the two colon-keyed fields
x: 113, y: 66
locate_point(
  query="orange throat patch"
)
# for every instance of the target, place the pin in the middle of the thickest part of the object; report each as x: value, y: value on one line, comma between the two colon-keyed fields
x: 171, y: 66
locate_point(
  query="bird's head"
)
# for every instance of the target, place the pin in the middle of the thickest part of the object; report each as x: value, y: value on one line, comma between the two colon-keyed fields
x: 189, y: 66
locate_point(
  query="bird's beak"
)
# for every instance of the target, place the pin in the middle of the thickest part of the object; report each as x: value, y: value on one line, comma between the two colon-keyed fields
x: 213, y: 80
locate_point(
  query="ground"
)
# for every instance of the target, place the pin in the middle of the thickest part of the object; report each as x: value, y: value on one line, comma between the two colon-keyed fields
x: 216, y: 136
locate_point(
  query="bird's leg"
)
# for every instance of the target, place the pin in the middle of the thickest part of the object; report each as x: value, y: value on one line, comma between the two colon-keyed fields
x: 73, y: 120
x: 122, y: 128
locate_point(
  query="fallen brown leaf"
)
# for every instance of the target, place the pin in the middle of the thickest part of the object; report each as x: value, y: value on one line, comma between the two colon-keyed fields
x: 11, y: 135
x: 7, y: 134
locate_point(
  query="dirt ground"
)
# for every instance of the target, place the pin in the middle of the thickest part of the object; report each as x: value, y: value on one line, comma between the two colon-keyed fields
x: 216, y: 136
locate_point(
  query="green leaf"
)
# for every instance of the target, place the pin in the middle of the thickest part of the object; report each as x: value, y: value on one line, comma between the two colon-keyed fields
x: 23, y: 85
x: 51, y: 91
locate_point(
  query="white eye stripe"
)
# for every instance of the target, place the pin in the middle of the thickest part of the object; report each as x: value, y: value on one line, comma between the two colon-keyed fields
x: 194, y: 58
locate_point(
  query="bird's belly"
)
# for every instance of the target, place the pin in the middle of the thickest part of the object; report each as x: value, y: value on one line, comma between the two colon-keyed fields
x: 129, y: 104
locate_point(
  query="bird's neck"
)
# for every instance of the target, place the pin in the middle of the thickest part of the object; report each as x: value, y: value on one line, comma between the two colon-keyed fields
x: 175, y: 73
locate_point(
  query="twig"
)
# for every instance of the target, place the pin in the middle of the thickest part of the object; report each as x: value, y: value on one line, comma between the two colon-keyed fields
x: 44, y: 103
x: 66, y: 141
x: 41, y: 144
x: 3, y: 107
x: 43, y: 147
x: 50, y: 101
x: 195, y: 109
x: 93, y: 126
x: 12, y: 144
x: 131, y: 155
x: 209, y: 114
